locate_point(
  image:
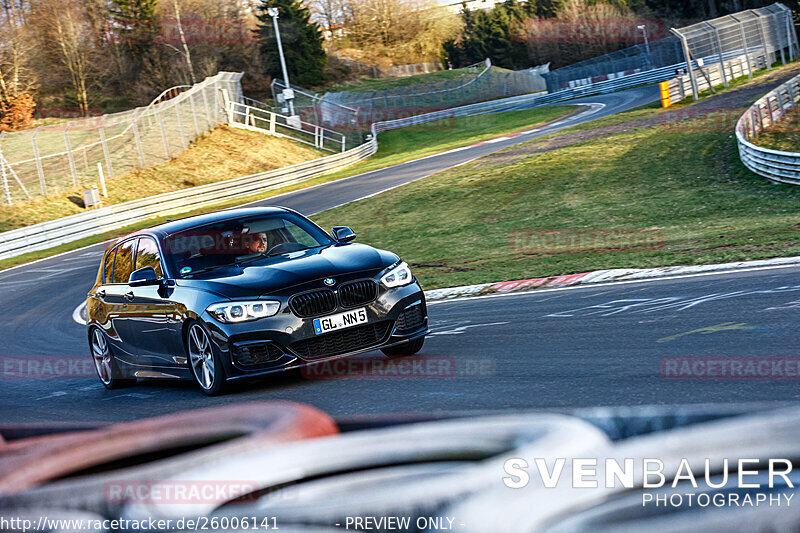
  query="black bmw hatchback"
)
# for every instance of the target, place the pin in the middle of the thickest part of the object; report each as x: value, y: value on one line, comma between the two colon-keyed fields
x: 246, y: 292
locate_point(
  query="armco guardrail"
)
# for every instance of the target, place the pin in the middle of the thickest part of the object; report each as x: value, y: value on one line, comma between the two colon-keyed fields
x: 774, y: 165
x: 108, y: 219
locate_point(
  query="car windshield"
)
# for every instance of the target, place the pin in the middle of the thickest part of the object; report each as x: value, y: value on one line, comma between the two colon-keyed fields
x: 240, y: 240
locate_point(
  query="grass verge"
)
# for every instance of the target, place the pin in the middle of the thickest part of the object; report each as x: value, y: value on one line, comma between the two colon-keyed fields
x: 686, y: 187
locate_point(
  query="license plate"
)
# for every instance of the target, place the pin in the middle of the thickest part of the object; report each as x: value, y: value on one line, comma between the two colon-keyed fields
x: 340, y: 321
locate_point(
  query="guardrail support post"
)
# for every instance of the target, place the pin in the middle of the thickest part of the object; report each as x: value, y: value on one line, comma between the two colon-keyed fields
x: 39, y: 168
x: 272, y: 118
x: 70, y: 156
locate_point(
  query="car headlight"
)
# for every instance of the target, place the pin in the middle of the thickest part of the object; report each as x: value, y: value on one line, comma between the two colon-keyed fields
x: 231, y: 312
x: 398, y: 276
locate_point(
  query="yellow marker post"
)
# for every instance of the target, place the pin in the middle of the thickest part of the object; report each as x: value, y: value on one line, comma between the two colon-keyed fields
x: 665, y: 101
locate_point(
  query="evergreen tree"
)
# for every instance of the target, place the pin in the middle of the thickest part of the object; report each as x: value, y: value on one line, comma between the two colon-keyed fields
x: 301, y: 39
x: 492, y: 34
x: 136, y: 23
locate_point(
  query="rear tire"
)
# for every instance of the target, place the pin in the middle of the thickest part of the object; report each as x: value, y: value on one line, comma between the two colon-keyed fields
x: 404, y: 349
x: 104, y: 362
x: 204, y: 362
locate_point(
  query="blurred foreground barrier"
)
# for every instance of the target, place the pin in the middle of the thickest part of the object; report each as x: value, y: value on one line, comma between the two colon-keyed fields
x: 224, y: 431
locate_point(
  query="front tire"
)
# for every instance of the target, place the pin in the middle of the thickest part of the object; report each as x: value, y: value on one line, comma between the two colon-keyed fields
x: 104, y: 362
x: 203, y: 361
x: 405, y: 348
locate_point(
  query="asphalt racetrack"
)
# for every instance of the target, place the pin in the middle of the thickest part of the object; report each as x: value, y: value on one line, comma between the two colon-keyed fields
x: 615, y: 344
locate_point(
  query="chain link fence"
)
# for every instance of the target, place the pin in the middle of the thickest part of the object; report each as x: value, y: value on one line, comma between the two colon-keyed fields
x: 756, y: 37
x: 356, y: 110
x: 41, y: 161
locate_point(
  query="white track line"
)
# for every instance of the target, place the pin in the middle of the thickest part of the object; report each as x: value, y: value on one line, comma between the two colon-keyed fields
x: 610, y: 284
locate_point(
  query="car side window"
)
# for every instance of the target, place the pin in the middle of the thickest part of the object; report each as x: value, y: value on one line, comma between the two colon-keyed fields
x: 147, y: 255
x: 123, y: 264
x: 301, y: 236
x: 108, y: 266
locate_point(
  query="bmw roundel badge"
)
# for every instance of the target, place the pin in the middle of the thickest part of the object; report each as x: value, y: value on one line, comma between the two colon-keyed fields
x: 330, y: 282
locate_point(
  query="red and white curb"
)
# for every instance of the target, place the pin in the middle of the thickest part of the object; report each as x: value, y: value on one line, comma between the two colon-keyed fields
x: 604, y: 276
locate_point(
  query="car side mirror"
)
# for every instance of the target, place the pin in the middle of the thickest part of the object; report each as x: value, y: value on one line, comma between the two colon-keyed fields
x: 343, y: 233
x: 144, y: 276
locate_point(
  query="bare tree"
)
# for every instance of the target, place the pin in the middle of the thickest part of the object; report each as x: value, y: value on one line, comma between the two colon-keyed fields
x: 71, y: 40
x: 186, y: 53
x: 406, y: 30
x: 16, y: 45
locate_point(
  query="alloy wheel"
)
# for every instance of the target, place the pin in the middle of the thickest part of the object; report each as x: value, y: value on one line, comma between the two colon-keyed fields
x: 201, y: 357
x: 102, y: 356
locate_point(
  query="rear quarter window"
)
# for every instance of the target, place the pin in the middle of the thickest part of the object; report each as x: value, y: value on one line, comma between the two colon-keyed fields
x: 108, y: 266
x: 123, y: 263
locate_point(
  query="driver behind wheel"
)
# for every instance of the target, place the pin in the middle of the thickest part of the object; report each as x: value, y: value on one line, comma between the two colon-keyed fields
x: 258, y: 244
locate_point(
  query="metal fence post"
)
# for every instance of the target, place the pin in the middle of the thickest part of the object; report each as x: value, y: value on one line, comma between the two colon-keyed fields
x: 746, y: 47
x: 208, y: 109
x: 194, y: 116
x: 180, y: 126
x: 688, y: 57
x: 106, y: 153
x: 163, y: 134
x: 69, y: 155
x: 39, y: 168
x: 767, y: 53
x: 137, y: 140
x: 5, y: 182
x: 783, y: 53
x: 719, y: 52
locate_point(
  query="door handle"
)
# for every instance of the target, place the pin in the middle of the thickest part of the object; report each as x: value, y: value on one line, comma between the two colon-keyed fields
x: 100, y: 294
x: 129, y: 296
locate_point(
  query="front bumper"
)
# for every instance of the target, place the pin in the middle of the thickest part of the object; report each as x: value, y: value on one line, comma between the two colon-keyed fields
x: 286, y: 341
